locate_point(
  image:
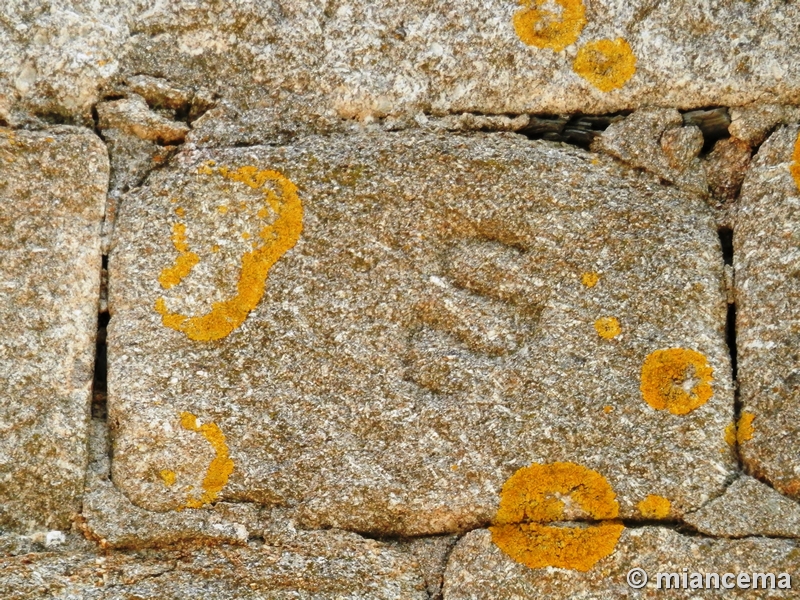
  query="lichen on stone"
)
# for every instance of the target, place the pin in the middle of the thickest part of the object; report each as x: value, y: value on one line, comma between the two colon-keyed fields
x: 537, y: 26
x: 606, y: 64
x: 607, y: 327
x: 794, y: 168
x: 590, y: 279
x: 535, y: 495
x: 275, y: 240
x: 221, y: 466
x: 676, y: 379
x: 744, y: 428
x: 168, y: 477
x: 654, y: 507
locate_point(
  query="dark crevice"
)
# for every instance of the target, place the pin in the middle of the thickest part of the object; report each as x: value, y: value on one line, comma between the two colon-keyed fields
x: 578, y: 130
x: 100, y: 383
x: 96, y: 119
x: 712, y: 122
x: 726, y: 242
x: 54, y: 118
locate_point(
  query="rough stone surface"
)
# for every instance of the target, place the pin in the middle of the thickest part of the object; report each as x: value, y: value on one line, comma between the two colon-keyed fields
x: 454, y: 291
x: 112, y: 520
x: 315, y: 565
x: 478, y: 569
x: 748, y: 507
x: 655, y: 139
x: 52, y: 193
x: 290, y: 65
x: 767, y: 265
x: 753, y: 123
x: 725, y: 167
x: 133, y: 116
x: 432, y: 553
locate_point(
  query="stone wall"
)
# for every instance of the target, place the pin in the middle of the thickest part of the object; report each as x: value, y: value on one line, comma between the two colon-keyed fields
x: 432, y: 300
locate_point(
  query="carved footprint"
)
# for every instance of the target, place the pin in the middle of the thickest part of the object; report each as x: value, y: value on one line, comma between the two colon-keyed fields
x: 275, y: 240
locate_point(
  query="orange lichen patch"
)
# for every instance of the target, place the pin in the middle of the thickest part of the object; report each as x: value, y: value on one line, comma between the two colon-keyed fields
x: 606, y: 64
x: 220, y: 468
x: 654, y: 507
x: 535, y: 495
x: 537, y: 26
x: 532, y: 494
x: 275, y: 240
x: 223, y: 209
x: 215, y: 248
x: 607, y: 327
x: 539, y: 546
x: 794, y: 168
x: 173, y: 275
x: 744, y: 429
x: 590, y: 279
x: 180, y: 211
x: 676, y: 379
x: 245, y: 236
x: 730, y: 434
x: 168, y: 477
x: 607, y: 409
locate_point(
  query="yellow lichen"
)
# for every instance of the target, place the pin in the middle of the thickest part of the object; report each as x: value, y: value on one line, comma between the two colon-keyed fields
x: 539, y: 546
x: 168, y: 477
x: 794, y: 168
x: 275, y: 240
x: 654, y: 507
x: 608, y: 408
x: 676, y: 379
x: 730, y: 434
x: 606, y: 64
x: 607, y: 327
x: 221, y: 466
x: 744, y: 429
x: 537, y: 26
x: 590, y: 279
x: 180, y: 211
x: 534, y: 496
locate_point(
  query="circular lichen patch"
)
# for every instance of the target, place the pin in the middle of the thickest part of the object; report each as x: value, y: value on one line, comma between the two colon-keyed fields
x: 607, y: 327
x: 606, y: 64
x: 536, y: 495
x: 676, y: 379
x: 539, y: 546
x: 539, y: 26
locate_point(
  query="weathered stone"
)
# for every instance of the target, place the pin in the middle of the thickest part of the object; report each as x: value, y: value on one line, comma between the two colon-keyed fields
x: 54, y: 56
x: 52, y: 192
x: 432, y: 330
x: 431, y: 553
x: 319, y: 565
x: 725, y: 167
x: 753, y: 123
x: 767, y: 264
x: 111, y: 519
x: 748, y: 507
x: 133, y: 116
x: 655, y: 139
x: 478, y: 569
x: 305, y: 65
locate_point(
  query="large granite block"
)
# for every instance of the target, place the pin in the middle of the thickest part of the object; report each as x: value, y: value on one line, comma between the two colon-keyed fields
x: 478, y: 569
x: 767, y: 263
x: 52, y: 194
x: 377, y: 331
